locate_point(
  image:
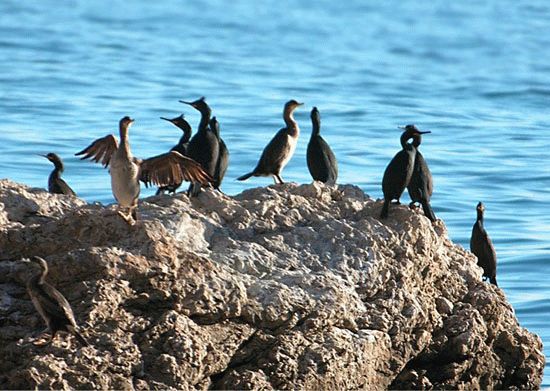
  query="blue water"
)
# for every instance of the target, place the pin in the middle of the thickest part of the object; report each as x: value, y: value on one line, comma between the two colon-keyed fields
x: 474, y: 73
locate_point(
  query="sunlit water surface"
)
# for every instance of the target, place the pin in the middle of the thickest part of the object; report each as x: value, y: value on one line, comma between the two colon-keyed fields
x: 474, y: 73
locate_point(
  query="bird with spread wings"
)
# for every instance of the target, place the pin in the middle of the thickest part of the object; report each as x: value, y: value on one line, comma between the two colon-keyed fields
x: 127, y: 171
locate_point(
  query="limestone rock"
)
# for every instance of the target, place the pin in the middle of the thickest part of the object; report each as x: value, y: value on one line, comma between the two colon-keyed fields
x: 284, y: 287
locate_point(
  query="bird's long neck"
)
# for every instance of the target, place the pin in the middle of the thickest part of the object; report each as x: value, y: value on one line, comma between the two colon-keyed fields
x: 291, y: 124
x: 315, y: 127
x: 42, y: 275
x: 480, y: 217
x: 58, y: 169
x: 205, y: 119
x: 417, y: 140
x: 404, y: 138
x: 186, y: 135
x: 124, y: 141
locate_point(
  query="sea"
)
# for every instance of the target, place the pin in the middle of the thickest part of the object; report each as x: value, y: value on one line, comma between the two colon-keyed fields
x: 474, y: 73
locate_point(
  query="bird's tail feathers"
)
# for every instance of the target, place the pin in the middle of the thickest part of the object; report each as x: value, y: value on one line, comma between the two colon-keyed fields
x: 245, y: 176
x: 428, y: 211
x: 385, y: 209
x: 80, y: 338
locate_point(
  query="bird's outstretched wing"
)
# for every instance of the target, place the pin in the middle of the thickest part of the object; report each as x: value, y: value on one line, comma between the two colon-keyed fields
x: 171, y: 167
x: 100, y: 150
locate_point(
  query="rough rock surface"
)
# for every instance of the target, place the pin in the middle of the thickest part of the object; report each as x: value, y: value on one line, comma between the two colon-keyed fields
x: 285, y: 287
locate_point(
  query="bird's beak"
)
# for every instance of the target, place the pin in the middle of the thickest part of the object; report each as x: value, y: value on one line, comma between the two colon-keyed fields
x: 166, y: 119
x: 424, y: 132
x: 187, y: 103
x: 39, y: 154
x: 300, y: 104
x: 401, y: 127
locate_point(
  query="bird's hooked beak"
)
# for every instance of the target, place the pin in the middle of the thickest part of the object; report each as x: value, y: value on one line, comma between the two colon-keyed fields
x: 187, y: 103
x: 46, y: 156
x: 417, y: 131
x: 300, y: 104
x: 166, y: 119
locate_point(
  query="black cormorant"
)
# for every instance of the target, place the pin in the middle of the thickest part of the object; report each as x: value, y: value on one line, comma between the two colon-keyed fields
x: 223, y: 156
x: 204, y: 147
x: 126, y: 171
x: 482, y: 247
x: 51, y: 304
x: 180, y: 147
x: 321, y: 161
x: 280, y: 149
x: 56, y: 185
x: 421, y: 186
x: 400, y: 169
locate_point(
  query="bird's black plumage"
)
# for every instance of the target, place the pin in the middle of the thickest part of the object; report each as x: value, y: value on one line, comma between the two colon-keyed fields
x: 56, y: 185
x: 180, y: 147
x: 420, y: 186
x: 204, y: 146
x: 223, y: 156
x: 321, y: 161
x: 482, y: 247
x: 399, y: 171
x: 51, y: 304
x: 280, y: 149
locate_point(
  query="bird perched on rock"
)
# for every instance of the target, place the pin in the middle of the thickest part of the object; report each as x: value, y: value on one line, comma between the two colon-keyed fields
x: 482, y: 247
x: 51, y: 304
x: 223, y: 156
x: 421, y: 186
x: 180, y: 147
x: 280, y: 149
x: 399, y: 171
x: 321, y: 161
x: 126, y: 171
x: 56, y: 185
x: 204, y: 147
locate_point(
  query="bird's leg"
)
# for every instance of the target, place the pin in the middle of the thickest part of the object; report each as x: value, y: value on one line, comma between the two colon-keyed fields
x: 279, y: 178
x: 133, y: 211
x: 413, y: 205
x: 396, y: 202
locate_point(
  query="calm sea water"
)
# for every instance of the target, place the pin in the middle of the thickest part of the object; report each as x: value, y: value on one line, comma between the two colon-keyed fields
x: 474, y: 73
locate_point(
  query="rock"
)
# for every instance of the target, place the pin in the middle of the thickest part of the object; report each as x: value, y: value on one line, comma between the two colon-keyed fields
x: 285, y: 287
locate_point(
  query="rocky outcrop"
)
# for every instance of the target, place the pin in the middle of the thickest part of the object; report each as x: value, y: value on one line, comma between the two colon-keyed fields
x: 285, y: 287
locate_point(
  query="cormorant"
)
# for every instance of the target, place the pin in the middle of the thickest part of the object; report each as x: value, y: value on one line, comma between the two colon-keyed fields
x: 421, y: 186
x: 321, y: 161
x: 56, y: 185
x: 204, y: 146
x: 400, y: 169
x: 280, y: 149
x: 126, y: 171
x: 482, y: 247
x: 51, y: 304
x: 180, y: 147
x: 223, y: 156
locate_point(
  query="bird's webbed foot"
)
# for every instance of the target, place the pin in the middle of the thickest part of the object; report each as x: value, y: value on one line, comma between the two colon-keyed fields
x: 43, y: 339
x: 127, y: 217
